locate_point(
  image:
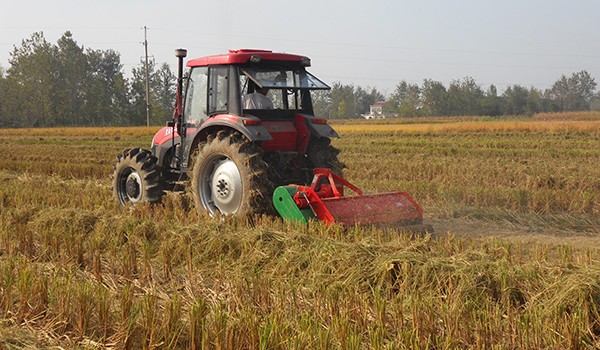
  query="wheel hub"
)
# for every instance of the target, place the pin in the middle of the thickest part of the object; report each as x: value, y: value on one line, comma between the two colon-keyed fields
x: 222, y: 188
x: 225, y: 187
x: 133, y: 187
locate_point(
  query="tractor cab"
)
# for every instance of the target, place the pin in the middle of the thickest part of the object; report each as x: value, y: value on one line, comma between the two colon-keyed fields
x: 224, y: 84
x: 261, y: 95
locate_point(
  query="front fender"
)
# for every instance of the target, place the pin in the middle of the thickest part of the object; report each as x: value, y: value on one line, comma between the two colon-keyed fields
x: 163, y: 141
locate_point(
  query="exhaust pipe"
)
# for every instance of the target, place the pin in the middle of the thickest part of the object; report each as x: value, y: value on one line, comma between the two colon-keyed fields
x: 178, y: 110
x: 180, y: 54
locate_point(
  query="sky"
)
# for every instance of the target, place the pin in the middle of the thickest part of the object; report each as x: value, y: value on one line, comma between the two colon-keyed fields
x: 375, y: 43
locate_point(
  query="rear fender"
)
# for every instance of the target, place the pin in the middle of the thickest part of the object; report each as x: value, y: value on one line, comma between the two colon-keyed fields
x: 319, y: 127
x: 251, y: 128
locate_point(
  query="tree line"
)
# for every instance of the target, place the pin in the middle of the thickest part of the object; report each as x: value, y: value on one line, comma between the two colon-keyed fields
x: 462, y: 97
x: 64, y: 84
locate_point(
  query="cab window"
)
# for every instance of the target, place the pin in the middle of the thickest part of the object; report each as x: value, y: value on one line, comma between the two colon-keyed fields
x: 217, y: 92
x: 196, y: 96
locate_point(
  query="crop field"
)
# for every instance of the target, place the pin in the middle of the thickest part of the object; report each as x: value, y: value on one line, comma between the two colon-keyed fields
x: 514, y: 262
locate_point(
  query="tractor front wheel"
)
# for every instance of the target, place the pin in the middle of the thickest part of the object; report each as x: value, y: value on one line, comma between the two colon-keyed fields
x: 136, y: 177
x: 229, y: 178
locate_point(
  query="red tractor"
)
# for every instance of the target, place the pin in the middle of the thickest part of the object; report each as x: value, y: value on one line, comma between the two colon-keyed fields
x: 240, y: 150
x: 243, y: 125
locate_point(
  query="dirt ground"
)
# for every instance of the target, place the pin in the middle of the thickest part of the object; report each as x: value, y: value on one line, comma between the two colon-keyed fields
x: 518, y: 233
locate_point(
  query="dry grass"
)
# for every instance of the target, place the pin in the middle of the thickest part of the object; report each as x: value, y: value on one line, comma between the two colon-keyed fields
x: 552, y: 126
x: 527, y: 167
x: 568, y: 116
x: 82, y: 132
x: 79, y: 271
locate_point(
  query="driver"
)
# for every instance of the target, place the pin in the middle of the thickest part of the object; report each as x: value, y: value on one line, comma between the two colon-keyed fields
x: 258, y: 99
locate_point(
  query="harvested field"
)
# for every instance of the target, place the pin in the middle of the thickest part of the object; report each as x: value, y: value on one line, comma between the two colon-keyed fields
x: 514, y: 261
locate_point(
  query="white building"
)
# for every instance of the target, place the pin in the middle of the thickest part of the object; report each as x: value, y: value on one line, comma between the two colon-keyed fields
x: 375, y: 111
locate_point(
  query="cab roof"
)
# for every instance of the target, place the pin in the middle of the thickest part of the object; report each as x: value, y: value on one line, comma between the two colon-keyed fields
x: 242, y: 56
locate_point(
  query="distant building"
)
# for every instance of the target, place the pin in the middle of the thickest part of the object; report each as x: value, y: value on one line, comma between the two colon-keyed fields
x: 375, y: 111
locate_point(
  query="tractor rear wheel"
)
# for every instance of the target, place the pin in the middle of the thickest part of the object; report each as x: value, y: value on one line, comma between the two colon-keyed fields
x: 136, y: 177
x: 322, y: 154
x: 229, y: 178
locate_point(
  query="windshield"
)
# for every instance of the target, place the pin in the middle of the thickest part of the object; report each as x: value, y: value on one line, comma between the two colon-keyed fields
x: 284, y: 78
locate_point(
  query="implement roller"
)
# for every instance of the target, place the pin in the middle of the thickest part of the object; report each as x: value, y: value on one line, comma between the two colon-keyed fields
x: 324, y: 200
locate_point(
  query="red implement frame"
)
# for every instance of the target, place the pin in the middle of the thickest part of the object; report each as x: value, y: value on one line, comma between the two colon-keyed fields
x: 326, y: 199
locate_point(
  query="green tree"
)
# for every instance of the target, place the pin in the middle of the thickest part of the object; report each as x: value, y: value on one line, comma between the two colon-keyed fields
x: 30, y: 83
x: 63, y: 84
x: 434, y: 96
x: 464, y: 97
x: 342, y: 101
x: 535, y: 102
x: 405, y: 101
x: 321, y: 100
x: 163, y: 94
x: 492, y: 104
x: 365, y: 98
x: 342, y: 109
x: 573, y: 93
x: 137, y: 93
x: 107, y: 101
x: 515, y: 100
x: 3, y: 121
x: 69, y: 91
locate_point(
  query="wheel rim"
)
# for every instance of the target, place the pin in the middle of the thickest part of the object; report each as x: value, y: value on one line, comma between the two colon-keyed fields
x: 130, y: 186
x: 221, y: 186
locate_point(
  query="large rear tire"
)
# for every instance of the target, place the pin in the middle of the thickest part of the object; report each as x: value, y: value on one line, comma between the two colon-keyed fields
x: 229, y: 177
x: 322, y: 154
x: 136, y: 177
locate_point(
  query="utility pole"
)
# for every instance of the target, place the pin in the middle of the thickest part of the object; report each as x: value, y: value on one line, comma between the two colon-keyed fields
x: 147, y: 79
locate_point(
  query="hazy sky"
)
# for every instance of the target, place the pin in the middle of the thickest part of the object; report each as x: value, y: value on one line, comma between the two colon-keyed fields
x: 368, y: 43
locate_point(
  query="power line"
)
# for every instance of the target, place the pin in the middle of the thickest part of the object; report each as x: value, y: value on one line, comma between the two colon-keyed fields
x: 379, y: 46
x: 470, y: 64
